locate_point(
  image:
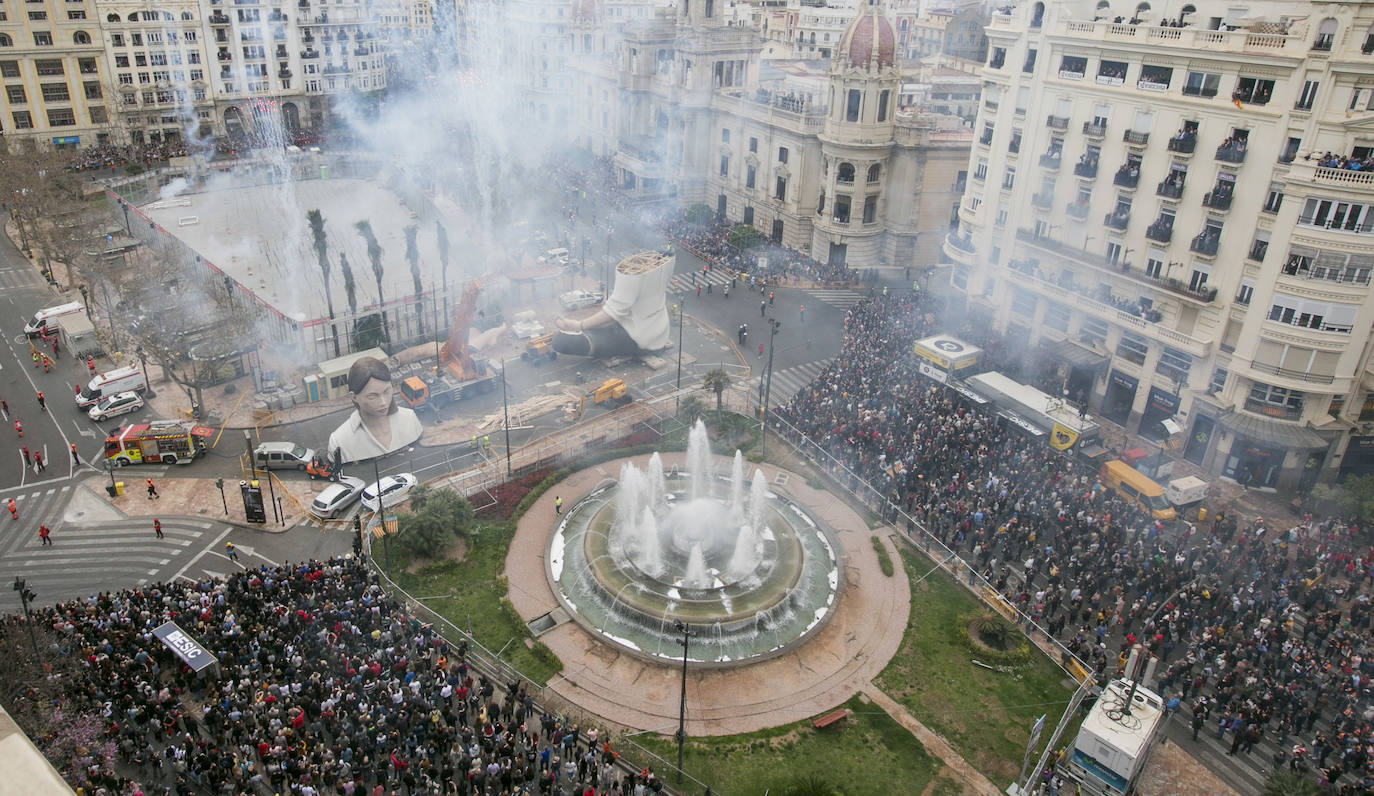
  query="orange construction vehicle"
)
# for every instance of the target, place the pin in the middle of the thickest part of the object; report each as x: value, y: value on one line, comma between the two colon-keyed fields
x: 458, y: 374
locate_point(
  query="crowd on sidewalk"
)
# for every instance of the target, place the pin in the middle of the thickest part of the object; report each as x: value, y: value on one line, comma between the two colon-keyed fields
x: 326, y: 686
x: 1261, y: 628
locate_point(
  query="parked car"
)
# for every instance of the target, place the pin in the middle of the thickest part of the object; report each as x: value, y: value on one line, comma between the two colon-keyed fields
x: 390, y: 489
x: 577, y: 299
x: 335, y: 500
x: 121, y: 403
x: 282, y: 455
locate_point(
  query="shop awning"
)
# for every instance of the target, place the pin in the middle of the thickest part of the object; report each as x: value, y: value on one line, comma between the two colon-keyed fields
x: 1075, y: 354
x: 1271, y: 432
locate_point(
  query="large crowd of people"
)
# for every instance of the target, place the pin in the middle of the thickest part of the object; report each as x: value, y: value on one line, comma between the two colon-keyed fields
x: 1261, y: 628
x: 325, y: 686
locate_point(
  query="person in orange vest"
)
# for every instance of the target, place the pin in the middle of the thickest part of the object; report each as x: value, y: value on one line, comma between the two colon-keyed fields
x: 90, y: 365
x: 35, y: 357
x: 47, y: 364
x: 43, y: 534
x: 42, y: 402
x: 152, y: 490
x: 76, y: 460
x: 19, y: 427
x: 14, y: 510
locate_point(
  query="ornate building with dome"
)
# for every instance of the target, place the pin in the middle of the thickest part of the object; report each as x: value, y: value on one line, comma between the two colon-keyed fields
x: 820, y: 156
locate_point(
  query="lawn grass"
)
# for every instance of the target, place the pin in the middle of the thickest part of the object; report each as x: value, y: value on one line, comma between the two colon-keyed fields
x: 867, y: 753
x: 476, y: 600
x: 985, y: 715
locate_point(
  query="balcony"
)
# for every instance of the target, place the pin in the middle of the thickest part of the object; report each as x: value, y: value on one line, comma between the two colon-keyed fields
x: 1289, y: 373
x: 1231, y: 153
x: 1127, y: 177
x: 310, y: 54
x: 1057, y: 122
x: 1217, y: 200
x: 1086, y: 168
x: 1170, y: 190
x: 361, y: 52
x: 1043, y: 200
x: 1183, y: 143
x: 1052, y: 160
x: 284, y: 73
x: 219, y: 18
x: 223, y: 56
x: 1270, y: 410
x: 276, y: 16
x: 1077, y: 209
x: 986, y: 138
x: 1135, y: 139
x: 1258, y: 249
x: 1160, y: 232
x: 1206, y: 243
x: 1117, y: 220
x: 961, y: 242
x: 1094, y: 130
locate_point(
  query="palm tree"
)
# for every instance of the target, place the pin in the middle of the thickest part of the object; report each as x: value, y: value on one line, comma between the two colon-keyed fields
x: 441, y: 235
x: 413, y: 257
x: 374, y: 254
x: 810, y: 785
x: 1284, y: 782
x: 718, y: 381
x: 350, y: 287
x: 322, y: 255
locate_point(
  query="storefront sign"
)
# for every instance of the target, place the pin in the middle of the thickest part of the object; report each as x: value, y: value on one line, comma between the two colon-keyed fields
x: 186, y: 648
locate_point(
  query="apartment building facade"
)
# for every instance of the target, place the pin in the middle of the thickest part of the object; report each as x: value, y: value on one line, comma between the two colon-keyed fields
x: 1177, y: 212
x: 54, y: 75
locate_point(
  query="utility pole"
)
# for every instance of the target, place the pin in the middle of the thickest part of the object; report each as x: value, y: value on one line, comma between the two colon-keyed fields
x: 681, y: 317
x: 381, y: 512
x: 437, y: 334
x: 686, y: 631
x: 505, y: 410
x: 248, y: 443
x: 773, y: 325
x: 26, y: 594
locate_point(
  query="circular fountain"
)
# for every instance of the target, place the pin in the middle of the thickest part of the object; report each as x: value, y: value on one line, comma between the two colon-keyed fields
x: 746, y: 567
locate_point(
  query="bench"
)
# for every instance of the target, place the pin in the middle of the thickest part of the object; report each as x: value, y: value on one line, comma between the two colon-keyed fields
x: 831, y: 718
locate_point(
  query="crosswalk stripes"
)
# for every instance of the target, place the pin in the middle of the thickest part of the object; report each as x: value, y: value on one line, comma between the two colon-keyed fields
x: 19, y: 277
x: 843, y: 299
x: 687, y: 282
x: 787, y: 382
x: 92, y: 557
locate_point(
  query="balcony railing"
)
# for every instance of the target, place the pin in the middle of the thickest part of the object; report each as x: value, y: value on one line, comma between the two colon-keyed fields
x: 985, y: 139
x: 1043, y: 200
x: 1135, y: 139
x: 1336, y: 224
x: 1160, y: 232
x: 961, y: 243
x: 1116, y: 221
x: 1217, y: 200
x: 1052, y: 161
x: 1094, y: 130
x: 1184, y: 145
x: 1085, y: 169
x: 1077, y: 209
x: 1270, y: 410
x: 1170, y: 190
x: 1258, y: 249
x: 1344, y: 176
x: 1057, y: 122
x: 1231, y: 154
x: 1206, y: 243
x: 310, y: 54
x: 218, y: 19
x: 1127, y: 177
x: 1289, y: 373
x: 1015, y: 146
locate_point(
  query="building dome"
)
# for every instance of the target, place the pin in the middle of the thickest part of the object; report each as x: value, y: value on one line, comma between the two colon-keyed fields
x: 870, y: 40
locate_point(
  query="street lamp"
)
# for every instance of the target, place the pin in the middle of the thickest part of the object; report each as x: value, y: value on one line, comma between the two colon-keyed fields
x: 26, y: 594
x: 248, y: 444
x: 681, y: 318
x: 505, y: 411
x: 686, y: 631
x: 773, y: 326
x: 381, y: 512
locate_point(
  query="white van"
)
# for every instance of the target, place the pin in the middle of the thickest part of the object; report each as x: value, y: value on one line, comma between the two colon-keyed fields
x: 557, y: 257
x: 129, y: 377
x: 43, y: 318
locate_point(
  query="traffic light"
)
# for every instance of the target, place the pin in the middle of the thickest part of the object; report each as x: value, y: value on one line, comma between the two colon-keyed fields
x: 25, y: 593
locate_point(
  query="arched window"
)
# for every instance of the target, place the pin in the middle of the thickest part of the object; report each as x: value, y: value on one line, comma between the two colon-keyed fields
x: 1326, y: 35
x: 112, y: 18
x: 5, y: 40
x: 1038, y: 16
x: 875, y: 172
x: 186, y: 16
x: 81, y: 37
x: 845, y: 173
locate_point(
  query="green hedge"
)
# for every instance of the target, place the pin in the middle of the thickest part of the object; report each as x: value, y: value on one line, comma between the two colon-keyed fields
x: 884, y: 558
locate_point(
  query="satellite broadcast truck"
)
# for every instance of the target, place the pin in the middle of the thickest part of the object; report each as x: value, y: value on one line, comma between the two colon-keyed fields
x: 158, y: 442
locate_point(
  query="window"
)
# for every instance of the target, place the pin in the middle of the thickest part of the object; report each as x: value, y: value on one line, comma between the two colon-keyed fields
x: 1275, y: 198
x: 874, y: 173
x: 42, y: 39
x: 1246, y: 292
x: 748, y: 218
x: 1155, y: 78
x: 782, y: 154
x: 1275, y: 401
x: 841, y: 209
x: 1253, y: 90
x: 98, y: 116
x: 1073, y: 67
x: 884, y: 97
x: 725, y: 165
x: 1133, y: 348
x: 870, y: 209
x: 753, y: 144
x: 1056, y: 316
x: 845, y: 174
x: 22, y: 120
x: 980, y: 172
x: 987, y: 134
x: 1312, y: 314
x: 1009, y: 178
x: 9, y: 69
x: 1202, y: 84
x: 1174, y: 364
x: 749, y: 174
x: 15, y: 95
x: 1023, y: 302
x: 852, y: 104
x: 1218, y: 382
x: 1307, y: 97
x: 126, y: 79
x: 1334, y: 214
x: 725, y: 135
x: 1326, y: 35
x: 780, y: 189
x: 61, y: 117
x: 1093, y: 330
x: 1337, y: 405
x: 81, y: 37
x: 1154, y: 264
x: 55, y: 92
x: 1029, y: 65
x: 37, y: 16
x: 121, y: 61
x: 117, y: 39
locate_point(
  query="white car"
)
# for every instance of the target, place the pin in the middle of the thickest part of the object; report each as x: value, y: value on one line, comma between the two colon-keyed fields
x: 335, y: 499
x: 391, y: 488
x: 115, y: 405
x: 577, y: 299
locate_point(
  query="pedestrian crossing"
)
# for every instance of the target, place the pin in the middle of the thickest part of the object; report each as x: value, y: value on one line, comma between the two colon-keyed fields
x: 718, y: 278
x: 787, y: 382
x: 12, y: 278
x: 843, y: 299
x: 89, y: 557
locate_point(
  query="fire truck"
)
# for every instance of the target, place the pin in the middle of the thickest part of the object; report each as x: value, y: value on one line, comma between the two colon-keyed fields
x: 158, y: 442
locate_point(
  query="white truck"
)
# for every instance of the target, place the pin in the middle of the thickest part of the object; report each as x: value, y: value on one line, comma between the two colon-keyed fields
x: 1114, y: 744
x: 129, y: 377
x: 1186, y: 491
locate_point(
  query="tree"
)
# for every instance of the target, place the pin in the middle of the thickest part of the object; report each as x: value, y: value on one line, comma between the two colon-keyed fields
x: 441, y: 236
x: 689, y: 410
x: 699, y: 214
x: 718, y: 381
x: 1355, y: 496
x: 1284, y: 782
x: 350, y: 287
x: 434, y: 519
x: 322, y: 257
x: 744, y: 237
x: 810, y: 785
x: 374, y: 254
x: 413, y: 258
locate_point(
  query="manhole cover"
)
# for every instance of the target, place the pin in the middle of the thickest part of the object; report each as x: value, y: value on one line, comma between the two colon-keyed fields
x: 780, y: 479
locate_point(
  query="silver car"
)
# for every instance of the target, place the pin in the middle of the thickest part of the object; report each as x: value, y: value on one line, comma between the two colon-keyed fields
x: 337, y: 498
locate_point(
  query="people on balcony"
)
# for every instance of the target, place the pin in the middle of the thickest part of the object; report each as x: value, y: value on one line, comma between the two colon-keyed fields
x: 1346, y: 162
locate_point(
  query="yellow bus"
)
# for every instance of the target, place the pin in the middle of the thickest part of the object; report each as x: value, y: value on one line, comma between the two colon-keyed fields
x: 1130, y: 484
